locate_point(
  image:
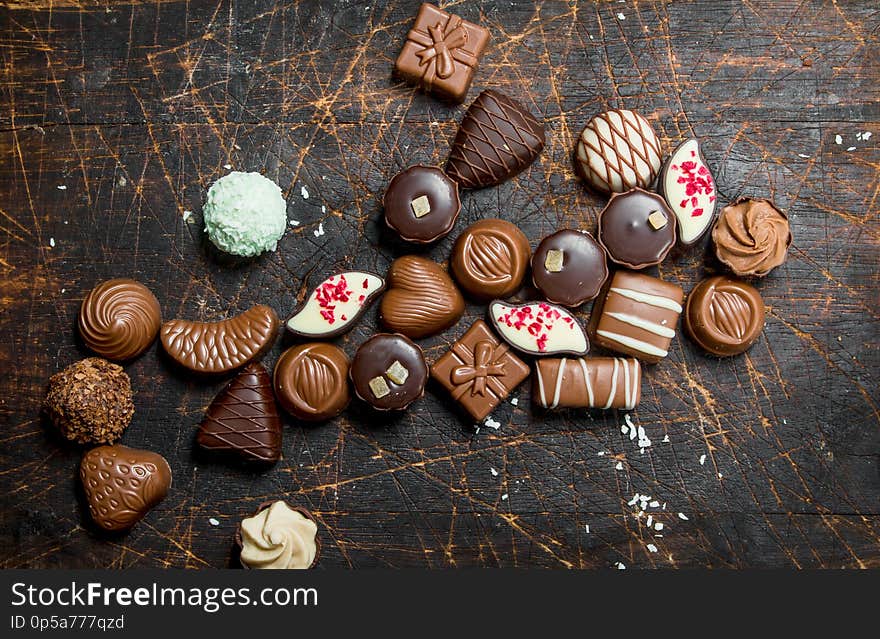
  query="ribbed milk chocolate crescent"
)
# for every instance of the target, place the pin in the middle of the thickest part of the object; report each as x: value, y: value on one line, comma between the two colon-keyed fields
x: 220, y: 347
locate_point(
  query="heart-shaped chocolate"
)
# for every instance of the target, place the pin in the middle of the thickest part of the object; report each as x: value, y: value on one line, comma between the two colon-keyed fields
x: 122, y: 484
x: 421, y: 299
x: 243, y: 419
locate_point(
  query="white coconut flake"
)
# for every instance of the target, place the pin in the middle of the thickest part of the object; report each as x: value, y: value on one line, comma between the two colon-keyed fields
x: 803, y: 155
x: 227, y: 166
x: 867, y: 135
x: 652, y: 547
x: 504, y: 497
x: 620, y: 16
x: 213, y: 522
x: 683, y: 517
x: 491, y: 423
x: 587, y: 528
x: 666, y: 439
x: 619, y: 565
x: 514, y: 401
x: 654, y: 504
x: 294, y: 222
x: 702, y: 459
x: 851, y: 148
x: 632, y: 502
x: 619, y: 466
x: 658, y: 526
x: 601, y: 453
x: 62, y: 187
x: 650, y: 521
x: 304, y: 192
x: 624, y: 429
x: 720, y: 476
x: 320, y: 231
x: 186, y: 215
x: 52, y: 242
x: 493, y: 471
x: 838, y: 139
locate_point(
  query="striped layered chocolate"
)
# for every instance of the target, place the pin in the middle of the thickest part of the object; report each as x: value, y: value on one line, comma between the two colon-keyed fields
x: 596, y: 382
x: 637, y: 316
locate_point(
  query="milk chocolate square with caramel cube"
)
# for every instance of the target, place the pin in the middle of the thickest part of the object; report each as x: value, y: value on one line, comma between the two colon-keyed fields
x: 441, y: 53
x: 637, y: 315
x: 479, y: 371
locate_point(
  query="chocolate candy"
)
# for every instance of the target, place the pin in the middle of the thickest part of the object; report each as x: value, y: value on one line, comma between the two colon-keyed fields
x: 539, y: 328
x: 441, y: 53
x: 278, y: 536
x: 311, y: 381
x: 479, y: 371
x: 389, y: 372
x: 421, y: 299
x: 421, y: 204
x: 122, y: 484
x: 90, y: 401
x: 617, y: 151
x: 751, y: 236
x: 497, y: 139
x: 598, y: 382
x: 569, y: 267
x: 637, y: 229
x: 335, y: 304
x: 119, y: 319
x: 637, y: 316
x: 689, y: 189
x: 724, y: 316
x: 489, y: 259
x: 220, y: 347
x: 243, y: 421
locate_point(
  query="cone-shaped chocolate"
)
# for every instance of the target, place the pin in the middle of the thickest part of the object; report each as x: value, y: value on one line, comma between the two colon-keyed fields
x: 497, y: 139
x: 243, y: 419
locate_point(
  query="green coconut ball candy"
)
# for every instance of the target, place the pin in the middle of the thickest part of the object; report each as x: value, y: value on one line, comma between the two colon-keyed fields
x: 245, y: 214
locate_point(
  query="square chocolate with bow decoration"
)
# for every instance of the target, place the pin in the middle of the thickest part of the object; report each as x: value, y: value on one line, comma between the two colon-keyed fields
x: 479, y: 371
x: 441, y: 53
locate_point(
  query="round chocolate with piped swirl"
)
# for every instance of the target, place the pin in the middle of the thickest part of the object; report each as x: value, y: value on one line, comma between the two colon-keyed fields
x: 389, y: 371
x: 119, y: 319
x: 569, y: 267
x: 637, y: 228
x: 489, y: 259
x: 421, y: 204
x: 724, y: 316
x: 751, y: 236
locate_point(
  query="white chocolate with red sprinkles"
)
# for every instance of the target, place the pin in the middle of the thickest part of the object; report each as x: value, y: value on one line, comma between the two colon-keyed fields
x: 335, y: 304
x: 539, y: 328
x: 689, y: 188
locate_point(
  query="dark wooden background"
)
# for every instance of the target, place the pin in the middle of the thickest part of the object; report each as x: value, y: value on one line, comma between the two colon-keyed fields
x: 116, y: 117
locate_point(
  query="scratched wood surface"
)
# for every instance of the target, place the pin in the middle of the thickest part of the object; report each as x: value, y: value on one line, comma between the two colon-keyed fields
x: 116, y: 117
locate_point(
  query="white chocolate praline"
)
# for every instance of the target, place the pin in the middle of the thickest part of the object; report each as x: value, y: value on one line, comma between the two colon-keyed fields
x: 278, y: 537
x: 539, y: 328
x: 335, y: 303
x: 689, y: 190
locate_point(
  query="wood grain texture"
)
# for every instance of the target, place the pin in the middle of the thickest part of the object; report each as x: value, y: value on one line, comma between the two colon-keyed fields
x: 116, y: 117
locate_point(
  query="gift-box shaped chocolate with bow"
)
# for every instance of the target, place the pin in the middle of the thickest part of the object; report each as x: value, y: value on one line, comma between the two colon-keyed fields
x: 441, y: 53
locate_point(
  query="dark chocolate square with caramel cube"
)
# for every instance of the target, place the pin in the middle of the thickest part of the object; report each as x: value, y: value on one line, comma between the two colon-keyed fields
x: 479, y: 371
x: 441, y: 53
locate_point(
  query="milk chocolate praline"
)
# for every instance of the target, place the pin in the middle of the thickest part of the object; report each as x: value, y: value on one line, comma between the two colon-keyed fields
x: 119, y: 319
x: 569, y: 267
x: 311, y: 381
x: 421, y: 204
x: 489, y: 259
x: 751, y: 236
x: 239, y: 542
x: 389, y: 372
x: 637, y: 228
x: 724, y: 316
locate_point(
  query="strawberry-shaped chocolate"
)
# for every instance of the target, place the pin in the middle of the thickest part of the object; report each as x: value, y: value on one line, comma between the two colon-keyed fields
x: 122, y: 484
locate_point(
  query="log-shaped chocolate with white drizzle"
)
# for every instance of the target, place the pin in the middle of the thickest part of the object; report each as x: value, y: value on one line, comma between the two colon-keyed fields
x: 597, y: 382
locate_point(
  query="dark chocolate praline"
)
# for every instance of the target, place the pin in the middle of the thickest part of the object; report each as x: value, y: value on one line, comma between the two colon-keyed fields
x: 421, y: 204
x: 371, y: 374
x: 632, y: 237
x: 581, y: 264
